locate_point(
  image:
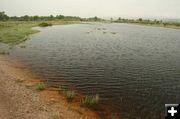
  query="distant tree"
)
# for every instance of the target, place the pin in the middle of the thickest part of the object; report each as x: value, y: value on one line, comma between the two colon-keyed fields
x: 119, y: 19
x: 165, y: 24
x: 140, y: 19
x: 25, y: 18
x: 35, y: 18
x: 14, y: 18
x: 59, y: 17
x: 95, y: 18
x: 3, y: 16
x: 51, y: 17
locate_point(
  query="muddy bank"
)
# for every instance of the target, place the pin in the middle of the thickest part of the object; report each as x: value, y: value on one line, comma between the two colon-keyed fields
x: 19, y: 98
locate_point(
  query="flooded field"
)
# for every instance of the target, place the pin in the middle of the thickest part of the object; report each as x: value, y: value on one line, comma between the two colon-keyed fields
x: 135, y: 69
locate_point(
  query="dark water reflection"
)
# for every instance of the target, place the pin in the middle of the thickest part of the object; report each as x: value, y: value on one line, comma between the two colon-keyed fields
x: 135, y: 69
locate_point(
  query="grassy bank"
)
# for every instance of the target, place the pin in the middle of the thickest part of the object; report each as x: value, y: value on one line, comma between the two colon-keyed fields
x: 15, y: 32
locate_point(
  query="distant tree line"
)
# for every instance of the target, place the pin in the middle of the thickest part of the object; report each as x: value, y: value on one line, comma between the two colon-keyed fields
x: 4, y: 17
x: 94, y: 19
x: 145, y: 21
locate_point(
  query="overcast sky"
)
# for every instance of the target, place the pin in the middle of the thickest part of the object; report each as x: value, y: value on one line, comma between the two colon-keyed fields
x: 88, y: 8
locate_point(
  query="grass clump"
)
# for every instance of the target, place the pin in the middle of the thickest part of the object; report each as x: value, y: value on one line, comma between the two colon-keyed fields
x: 44, y: 24
x: 90, y: 100
x: 40, y: 86
x: 70, y: 94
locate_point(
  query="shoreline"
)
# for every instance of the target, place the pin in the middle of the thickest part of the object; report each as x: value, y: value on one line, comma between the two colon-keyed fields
x: 19, y: 86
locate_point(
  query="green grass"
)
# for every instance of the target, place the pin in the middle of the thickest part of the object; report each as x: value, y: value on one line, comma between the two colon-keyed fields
x: 90, y: 100
x: 16, y: 32
x: 40, y: 86
x: 44, y: 24
x: 70, y: 94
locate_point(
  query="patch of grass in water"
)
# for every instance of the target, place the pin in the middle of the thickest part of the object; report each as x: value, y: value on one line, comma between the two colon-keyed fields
x: 44, y: 24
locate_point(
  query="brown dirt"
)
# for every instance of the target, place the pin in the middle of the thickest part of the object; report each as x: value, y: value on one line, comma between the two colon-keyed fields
x: 19, y: 98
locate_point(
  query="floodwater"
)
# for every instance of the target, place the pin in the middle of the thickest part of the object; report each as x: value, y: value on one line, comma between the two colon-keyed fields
x: 135, y: 69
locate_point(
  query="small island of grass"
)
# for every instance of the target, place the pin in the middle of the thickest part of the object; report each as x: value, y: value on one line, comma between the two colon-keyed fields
x: 44, y: 24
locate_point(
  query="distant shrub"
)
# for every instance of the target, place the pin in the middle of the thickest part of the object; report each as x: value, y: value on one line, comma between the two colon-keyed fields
x: 40, y: 86
x: 44, y: 24
x: 90, y: 100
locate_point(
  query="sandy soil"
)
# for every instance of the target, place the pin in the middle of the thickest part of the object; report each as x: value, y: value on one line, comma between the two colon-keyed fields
x: 19, y: 98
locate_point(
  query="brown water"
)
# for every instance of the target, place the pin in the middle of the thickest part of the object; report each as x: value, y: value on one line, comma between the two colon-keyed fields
x: 135, y: 69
